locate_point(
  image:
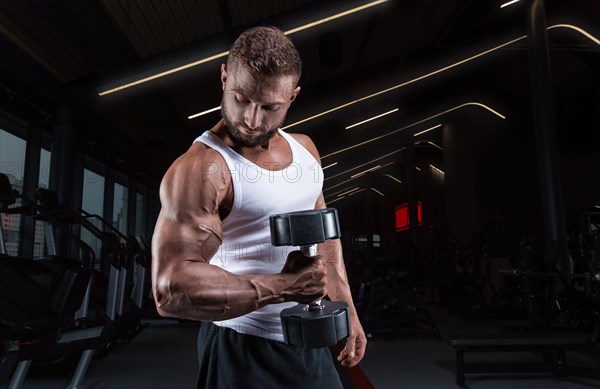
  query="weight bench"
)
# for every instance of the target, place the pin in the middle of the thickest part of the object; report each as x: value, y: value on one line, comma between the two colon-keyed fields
x: 554, y: 344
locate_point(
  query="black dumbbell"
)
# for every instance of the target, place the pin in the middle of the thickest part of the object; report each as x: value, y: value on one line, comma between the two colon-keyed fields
x: 322, y: 323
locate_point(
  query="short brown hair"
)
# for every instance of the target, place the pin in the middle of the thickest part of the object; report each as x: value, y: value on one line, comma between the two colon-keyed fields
x: 266, y: 51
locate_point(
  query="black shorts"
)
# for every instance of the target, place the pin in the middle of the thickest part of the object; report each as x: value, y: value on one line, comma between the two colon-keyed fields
x: 228, y: 359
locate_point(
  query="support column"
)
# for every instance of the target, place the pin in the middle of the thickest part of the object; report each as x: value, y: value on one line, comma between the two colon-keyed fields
x: 30, y: 184
x: 109, y: 196
x: 411, y: 188
x: 132, y: 207
x: 555, y: 233
x: 62, y: 166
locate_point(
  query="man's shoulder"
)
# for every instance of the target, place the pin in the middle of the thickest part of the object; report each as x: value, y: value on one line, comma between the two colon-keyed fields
x: 307, y: 142
x: 302, y: 138
x: 199, y: 160
x: 197, y: 153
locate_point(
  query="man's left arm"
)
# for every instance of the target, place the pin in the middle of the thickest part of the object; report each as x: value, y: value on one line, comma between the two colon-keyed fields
x: 338, y: 288
x: 337, y: 279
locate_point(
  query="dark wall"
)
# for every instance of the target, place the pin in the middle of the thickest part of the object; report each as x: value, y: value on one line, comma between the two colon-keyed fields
x: 491, y: 172
x: 578, y: 126
x: 461, y: 192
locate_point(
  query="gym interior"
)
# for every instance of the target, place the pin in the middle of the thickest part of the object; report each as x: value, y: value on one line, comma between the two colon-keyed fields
x: 460, y: 144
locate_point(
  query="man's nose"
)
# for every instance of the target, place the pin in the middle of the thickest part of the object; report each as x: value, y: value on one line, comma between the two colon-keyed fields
x: 253, y: 116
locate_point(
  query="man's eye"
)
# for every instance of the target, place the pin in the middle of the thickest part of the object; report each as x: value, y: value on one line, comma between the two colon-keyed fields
x: 240, y: 100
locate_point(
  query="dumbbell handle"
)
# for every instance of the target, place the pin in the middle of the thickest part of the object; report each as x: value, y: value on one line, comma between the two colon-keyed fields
x: 311, y: 251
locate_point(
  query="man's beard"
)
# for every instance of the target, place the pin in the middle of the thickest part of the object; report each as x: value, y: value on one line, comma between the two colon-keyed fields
x: 242, y: 140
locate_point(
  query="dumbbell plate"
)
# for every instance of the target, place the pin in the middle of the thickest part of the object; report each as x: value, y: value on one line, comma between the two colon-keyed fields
x: 304, y: 228
x: 319, y: 328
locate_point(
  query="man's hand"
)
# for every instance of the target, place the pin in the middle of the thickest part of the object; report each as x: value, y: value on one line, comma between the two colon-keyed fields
x: 356, y: 345
x: 308, y: 277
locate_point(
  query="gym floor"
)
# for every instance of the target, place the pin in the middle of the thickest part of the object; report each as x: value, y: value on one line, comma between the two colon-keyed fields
x: 163, y: 356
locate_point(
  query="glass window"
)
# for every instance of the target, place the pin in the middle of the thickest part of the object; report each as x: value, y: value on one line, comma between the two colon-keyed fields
x: 12, y: 164
x: 39, y: 239
x: 361, y: 242
x: 120, y: 208
x: 140, y: 215
x: 93, y: 202
x: 376, y: 240
x: 44, y: 174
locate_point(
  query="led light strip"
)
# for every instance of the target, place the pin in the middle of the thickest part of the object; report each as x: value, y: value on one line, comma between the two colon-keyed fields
x: 365, y: 172
x: 509, y: 3
x: 354, y: 178
x: 427, y: 130
x: 333, y: 201
x: 575, y: 28
x: 348, y: 191
x: 225, y: 53
x: 336, y: 185
x: 378, y: 192
x: 403, y: 84
x: 429, y: 143
x: 437, y: 169
x: 343, y: 197
x: 358, y: 191
x: 205, y: 112
x: 336, y: 16
x: 435, y: 145
x: 393, y: 178
x: 351, y: 194
x: 414, y: 124
x: 580, y: 30
x: 165, y: 73
x: 366, y: 163
x: 373, y: 118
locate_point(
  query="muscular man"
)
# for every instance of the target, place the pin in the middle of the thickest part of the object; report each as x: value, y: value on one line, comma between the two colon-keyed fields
x: 212, y: 255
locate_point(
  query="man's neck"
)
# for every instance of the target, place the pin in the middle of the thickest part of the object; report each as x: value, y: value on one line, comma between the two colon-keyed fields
x: 274, y: 154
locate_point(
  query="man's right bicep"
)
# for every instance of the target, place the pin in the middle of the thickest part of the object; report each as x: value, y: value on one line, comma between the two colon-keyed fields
x: 189, y: 226
x: 195, y: 239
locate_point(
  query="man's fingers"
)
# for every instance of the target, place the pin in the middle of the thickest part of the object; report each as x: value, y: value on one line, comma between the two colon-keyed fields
x: 349, y: 351
x: 351, y: 346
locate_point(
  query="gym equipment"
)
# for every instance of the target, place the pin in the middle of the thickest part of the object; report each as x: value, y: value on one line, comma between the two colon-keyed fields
x: 547, y: 295
x: 464, y: 275
x: 132, y: 276
x: 394, y: 307
x: 551, y: 349
x: 48, y: 322
x: 322, y: 323
x: 552, y: 298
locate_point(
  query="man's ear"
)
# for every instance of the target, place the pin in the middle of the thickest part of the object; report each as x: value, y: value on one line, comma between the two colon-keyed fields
x: 294, y: 94
x: 223, y: 75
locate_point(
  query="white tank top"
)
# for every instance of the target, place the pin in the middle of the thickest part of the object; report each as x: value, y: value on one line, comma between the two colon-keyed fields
x: 258, y: 194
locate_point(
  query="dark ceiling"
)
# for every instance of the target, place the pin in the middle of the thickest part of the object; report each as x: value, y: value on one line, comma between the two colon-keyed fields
x: 65, y: 52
